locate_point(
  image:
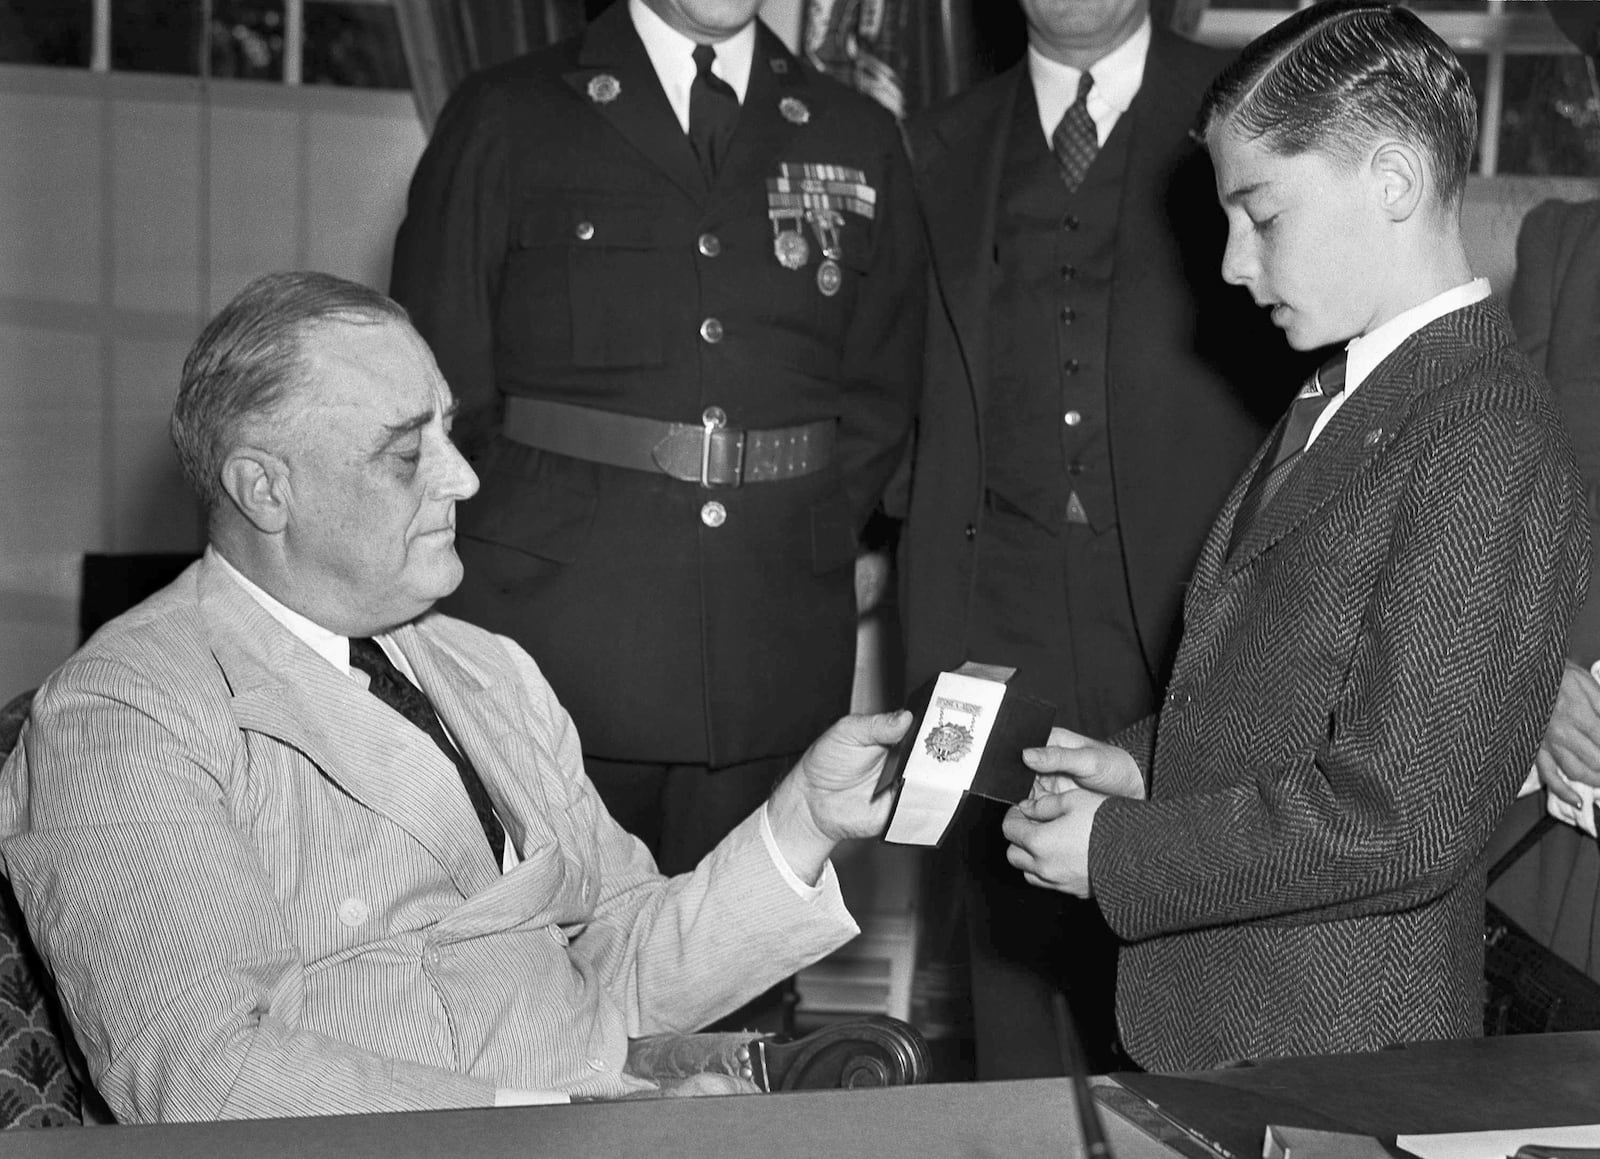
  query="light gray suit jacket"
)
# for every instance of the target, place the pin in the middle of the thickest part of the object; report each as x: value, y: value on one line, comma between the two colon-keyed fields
x: 263, y: 893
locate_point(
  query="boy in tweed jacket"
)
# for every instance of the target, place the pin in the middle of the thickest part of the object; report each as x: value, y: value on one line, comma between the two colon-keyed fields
x: 1292, y: 848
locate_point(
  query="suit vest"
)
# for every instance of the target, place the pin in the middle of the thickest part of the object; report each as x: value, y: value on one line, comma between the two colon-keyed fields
x: 1046, y: 417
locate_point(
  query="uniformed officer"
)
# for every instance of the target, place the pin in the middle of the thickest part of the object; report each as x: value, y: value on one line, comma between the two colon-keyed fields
x: 675, y: 278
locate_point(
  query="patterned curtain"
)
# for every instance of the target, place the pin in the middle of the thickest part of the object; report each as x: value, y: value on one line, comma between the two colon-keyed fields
x: 447, y: 39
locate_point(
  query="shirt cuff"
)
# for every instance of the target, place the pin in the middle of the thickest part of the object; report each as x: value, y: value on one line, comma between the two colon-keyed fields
x: 513, y: 1098
x: 803, y: 891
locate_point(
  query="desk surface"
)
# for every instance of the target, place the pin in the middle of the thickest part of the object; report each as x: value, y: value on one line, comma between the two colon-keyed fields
x: 1449, y: 1086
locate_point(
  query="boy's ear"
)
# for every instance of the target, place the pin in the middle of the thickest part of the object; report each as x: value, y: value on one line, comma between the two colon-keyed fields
x: 257, y: 482
x: 1400, y: 179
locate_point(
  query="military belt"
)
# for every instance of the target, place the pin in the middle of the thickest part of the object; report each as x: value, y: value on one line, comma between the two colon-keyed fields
x: 709, y: 453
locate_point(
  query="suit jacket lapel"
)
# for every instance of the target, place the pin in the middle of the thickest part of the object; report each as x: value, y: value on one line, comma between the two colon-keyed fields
x: 284, y: 690
x: 961, y: 202
x: 639, y: 110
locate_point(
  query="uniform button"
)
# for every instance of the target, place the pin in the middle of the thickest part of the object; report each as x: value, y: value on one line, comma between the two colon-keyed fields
x: 711, y: 330
x: 970, y: 531
x: 714, y: 417
x: 1068, y: 273
x: 584, y: 230
x: 1070, y: 366
x: 713, y: 514
x: 1069, y: 222
x: 597, y: 1064
x: 559, y: 935
x: 1075, y: 468
x: 1068, y: 315
x: 353, y: 911
x: 1072, y: 418
x: 709, y: 245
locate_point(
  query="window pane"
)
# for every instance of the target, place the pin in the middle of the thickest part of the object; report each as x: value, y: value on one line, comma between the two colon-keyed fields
x: 1550, y: 123
x: 45, y: 32
x: 155, y: 36
x: 246, y: 39
x: 353, y: 44
x: 1477, y: 66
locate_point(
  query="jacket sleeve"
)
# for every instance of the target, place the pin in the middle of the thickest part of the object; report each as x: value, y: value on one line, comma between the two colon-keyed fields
x: 1446, y: 692
x: 881, y: 358
x: 163, y: 930
x: 450, y: 249
x: 676, y: 953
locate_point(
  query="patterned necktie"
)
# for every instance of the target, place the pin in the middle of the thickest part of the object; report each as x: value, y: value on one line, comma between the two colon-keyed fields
x: 1075, y: 140
x: 1315, y: 396
x: 713, y: 112
x: 390, y: 686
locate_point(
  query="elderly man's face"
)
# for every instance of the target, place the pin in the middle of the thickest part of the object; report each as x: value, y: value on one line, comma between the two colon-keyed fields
x: 374, y: 478
x: 706, y: 20
x: 1081, y: 31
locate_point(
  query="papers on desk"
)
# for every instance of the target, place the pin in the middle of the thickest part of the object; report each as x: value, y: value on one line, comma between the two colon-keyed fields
x: 1497, y: 1144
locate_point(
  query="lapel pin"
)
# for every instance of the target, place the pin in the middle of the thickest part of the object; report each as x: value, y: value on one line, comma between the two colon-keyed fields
x: 1374, y: 435
x: 794, y: 110
x: 604, y: 88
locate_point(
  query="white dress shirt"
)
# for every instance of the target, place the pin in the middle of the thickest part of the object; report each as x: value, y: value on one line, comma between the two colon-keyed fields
x: 672, y: 54
x: 1117, y: 77
x: 1363, y: 354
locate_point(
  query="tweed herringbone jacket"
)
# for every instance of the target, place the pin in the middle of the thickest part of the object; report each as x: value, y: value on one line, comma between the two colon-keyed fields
x: 1362, y: 683
x: 263, y: 893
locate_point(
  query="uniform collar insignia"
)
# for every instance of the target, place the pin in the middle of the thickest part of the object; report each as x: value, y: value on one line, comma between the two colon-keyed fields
x: 604, y: 88
x: 794, y: 110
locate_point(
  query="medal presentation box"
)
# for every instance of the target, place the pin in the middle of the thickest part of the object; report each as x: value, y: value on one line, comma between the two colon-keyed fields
x: 968, y: 737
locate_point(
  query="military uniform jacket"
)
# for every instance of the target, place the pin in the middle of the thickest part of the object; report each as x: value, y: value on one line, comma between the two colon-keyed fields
x: 262, y: 892
x: 1194, y: 372
x: 561, y: 244
x: 1361, y: 686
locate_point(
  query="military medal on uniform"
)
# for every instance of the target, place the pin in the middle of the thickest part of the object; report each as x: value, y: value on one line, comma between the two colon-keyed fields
x: 818, y: 196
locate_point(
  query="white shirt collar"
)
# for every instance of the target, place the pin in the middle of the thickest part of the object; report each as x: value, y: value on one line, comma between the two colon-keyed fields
x: 1117, y: 77
x: 671, y: 54
x: 1363, y: 354
x: 1370, y: 349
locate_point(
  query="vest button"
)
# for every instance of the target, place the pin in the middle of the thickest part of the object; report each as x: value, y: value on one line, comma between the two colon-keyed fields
x: 713, y: 514
x: 1068, y: 273
x: 1074, y: 468
x: 709, y: 245
x: 584, y: 230
x: 1068, y: 315
x: 711, y: 331
x: 1072, y: 418
x: 970, y: 532
x: 1069, y: 222
x: 1070, y: 366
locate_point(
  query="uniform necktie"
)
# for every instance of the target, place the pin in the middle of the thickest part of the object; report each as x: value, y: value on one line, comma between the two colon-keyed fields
x: 1315, y: 397
x: 713, y: 112
x: 1075, y: 140
x: 389, y: 685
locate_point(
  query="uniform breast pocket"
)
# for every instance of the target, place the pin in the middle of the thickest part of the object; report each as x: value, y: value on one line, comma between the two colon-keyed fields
x: 584, y: 284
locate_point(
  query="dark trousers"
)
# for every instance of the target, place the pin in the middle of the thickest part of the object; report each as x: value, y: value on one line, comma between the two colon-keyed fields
x: 1057, y: 607
x: 680, y: 812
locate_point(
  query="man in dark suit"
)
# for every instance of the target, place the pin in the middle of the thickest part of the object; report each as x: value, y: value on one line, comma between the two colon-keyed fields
x: 1092, y: 390
x: 675, y: 278
x: 1293, y: 847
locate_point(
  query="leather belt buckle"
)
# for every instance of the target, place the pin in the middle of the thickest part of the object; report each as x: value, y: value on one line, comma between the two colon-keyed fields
x: 721, y: 451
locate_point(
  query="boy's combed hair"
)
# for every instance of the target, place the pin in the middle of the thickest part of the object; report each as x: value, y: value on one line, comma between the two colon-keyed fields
x: 1338, y: 76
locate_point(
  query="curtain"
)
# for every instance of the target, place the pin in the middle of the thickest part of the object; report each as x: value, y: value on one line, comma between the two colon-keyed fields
x: 447, y: 39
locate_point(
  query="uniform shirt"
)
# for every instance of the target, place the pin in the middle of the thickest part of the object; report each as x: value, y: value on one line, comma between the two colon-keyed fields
x: 1365, y: 352
x: 672, y: 54
x: 1117, y: 77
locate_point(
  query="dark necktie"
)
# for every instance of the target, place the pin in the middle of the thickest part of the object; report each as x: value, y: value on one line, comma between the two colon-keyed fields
x: 713, y: 112
x: 1075, y: 140
x: 390, y: 686
x: 1315, y: 396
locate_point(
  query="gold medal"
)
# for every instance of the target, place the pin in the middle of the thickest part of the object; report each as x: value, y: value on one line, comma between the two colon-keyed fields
x: 829, y: 277
x: 791, y: 247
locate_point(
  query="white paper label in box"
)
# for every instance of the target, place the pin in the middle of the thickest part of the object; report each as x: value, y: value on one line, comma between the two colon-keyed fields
x: 944, y: 756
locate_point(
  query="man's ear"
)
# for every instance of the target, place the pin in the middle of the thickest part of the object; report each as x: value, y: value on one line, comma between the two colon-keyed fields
x: 257, y: 482
x: 1400, y: 179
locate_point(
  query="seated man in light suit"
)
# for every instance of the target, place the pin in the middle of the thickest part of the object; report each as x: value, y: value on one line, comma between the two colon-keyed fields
x: 267, y: 888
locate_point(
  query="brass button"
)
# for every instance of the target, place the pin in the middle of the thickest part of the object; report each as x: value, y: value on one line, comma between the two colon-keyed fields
x: 1072, y: 418
x: 714, y: 418
x: 585, y: 230
x: 711, y: 331
x: 709, y: 245
x: 713, y: 514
